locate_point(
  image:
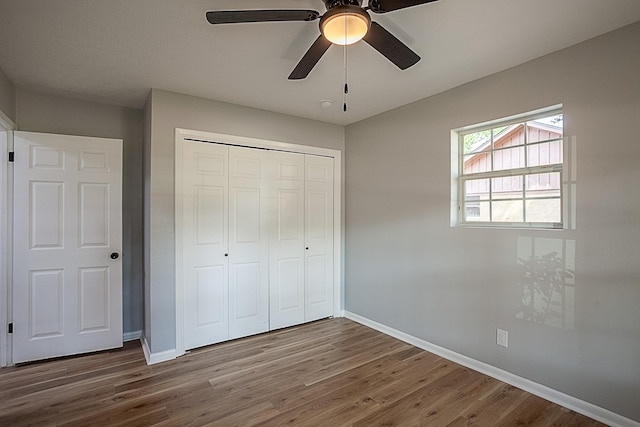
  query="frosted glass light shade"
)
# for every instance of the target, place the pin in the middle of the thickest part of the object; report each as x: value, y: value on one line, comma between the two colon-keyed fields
x: 345, y: 28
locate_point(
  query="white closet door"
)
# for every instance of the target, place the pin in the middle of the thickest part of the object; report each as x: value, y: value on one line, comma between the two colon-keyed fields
x: 286, y: 251
x: 248, y: 242
x: 319, y: 237
x: 67, y: 270
x: 257, y: 240
x: 205, y: 243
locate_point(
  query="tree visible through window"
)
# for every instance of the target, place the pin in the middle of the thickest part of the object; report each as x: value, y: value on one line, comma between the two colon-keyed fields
x: 510, y: 172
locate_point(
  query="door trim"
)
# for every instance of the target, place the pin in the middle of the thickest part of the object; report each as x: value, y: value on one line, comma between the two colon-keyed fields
x: 180, y: 135
x: 6, y: 189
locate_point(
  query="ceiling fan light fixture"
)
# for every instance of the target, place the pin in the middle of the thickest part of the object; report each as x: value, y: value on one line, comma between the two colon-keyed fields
x: 345, y: 25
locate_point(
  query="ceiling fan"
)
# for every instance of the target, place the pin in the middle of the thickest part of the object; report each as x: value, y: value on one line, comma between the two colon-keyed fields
x: 345, y: 22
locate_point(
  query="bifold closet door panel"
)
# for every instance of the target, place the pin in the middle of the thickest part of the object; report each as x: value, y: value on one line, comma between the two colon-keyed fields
x: 286, y: 243
x: 319, y: 232
x: 248, y: 241
x: 205, y: 243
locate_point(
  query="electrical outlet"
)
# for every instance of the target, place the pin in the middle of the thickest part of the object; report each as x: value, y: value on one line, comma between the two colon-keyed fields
x: 502, y: 338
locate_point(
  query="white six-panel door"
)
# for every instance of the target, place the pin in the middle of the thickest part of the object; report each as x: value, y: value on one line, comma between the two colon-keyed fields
x: 67, y: 269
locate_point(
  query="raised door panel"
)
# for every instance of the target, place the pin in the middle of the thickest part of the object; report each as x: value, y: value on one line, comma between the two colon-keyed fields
x: 209, y: 217
x: 248, y: 242
x: 290, y: 290
x: 46, y: 214
x: 286, y: 245
x: 46, y: 304
x: 210, y: 294
x: 46, y: 158
x: 247, y: 292
x: 93, y: 214
x: 247, y: 220
x: 319, y: 237
x: 93, y: 284
x: 94, y: 161
x: 205, y: 243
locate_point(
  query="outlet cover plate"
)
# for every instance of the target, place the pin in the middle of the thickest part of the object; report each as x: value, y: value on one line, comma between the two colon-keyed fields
x: 502, y: 337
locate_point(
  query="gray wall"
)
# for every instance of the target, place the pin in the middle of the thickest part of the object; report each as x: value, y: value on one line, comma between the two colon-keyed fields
x: 50, y: 114
x: 7, y: 97
x: 166, y: 111
x: 408, y: 269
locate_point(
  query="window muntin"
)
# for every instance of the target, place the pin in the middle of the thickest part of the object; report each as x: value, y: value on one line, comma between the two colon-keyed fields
x: 511, y: 172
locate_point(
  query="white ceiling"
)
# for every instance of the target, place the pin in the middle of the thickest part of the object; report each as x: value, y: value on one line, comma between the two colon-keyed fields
x: 114, y: 51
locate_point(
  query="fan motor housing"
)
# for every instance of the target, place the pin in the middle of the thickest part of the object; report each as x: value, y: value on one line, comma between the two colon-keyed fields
x: 330, y: 4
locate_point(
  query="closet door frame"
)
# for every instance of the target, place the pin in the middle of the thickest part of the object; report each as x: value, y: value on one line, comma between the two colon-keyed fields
x: 234, y: 140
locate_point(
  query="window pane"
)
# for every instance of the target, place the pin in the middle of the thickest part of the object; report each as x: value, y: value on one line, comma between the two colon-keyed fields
x: 508, y: 187
x: 508, y: 159
x: 477, y: 211
x: 476, y: 189
x: 543, y: 185
x: 545, y: 128
x: 545, y: 153
x: 507, y: 211
x: 508, y: 136
x: 475, y: 163
x: 544, y: 210
x: 474, y: 142
x: 498, y: 132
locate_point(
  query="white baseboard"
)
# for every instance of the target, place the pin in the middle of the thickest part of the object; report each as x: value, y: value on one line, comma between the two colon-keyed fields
x: 131, y: 336
x: 580, y: 406
x: 153, y: 358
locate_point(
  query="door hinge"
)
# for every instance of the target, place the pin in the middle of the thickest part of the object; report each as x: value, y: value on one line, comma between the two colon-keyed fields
x: 11, y: 155
x: 11, y: 327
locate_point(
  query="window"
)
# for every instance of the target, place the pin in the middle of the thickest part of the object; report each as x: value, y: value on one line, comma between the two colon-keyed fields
x: 510, y: 171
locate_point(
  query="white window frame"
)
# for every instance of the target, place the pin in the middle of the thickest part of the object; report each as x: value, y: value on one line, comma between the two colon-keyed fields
x: 460, y: 178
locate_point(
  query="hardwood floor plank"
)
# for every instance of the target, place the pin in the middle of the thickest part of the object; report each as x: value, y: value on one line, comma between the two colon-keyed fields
x: 335, y: 410
x: 328, y: 373
x: 569, y: 418
x: 362, y: 353
x: 420, y: 401
x: 17, y: 382
x: 494, y: 407
x: 532, y: 411
x: 364, y: 377
x: 99, y: 374
x: 440, y: 406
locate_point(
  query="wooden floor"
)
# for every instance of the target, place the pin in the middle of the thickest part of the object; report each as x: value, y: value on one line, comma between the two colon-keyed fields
x: 327, y: 373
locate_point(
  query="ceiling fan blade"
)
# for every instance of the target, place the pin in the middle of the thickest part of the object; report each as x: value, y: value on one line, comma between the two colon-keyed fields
x: 389, y: 46
x: 310, y: 59
x: 383, y: 6
x: 244, y: 16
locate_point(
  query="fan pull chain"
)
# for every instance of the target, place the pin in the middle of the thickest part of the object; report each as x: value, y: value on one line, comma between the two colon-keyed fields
x: 346, y: 75
x: 346, y: 84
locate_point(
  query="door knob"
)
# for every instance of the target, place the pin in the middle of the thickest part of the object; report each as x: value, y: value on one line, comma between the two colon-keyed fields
x: 114, y: 255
